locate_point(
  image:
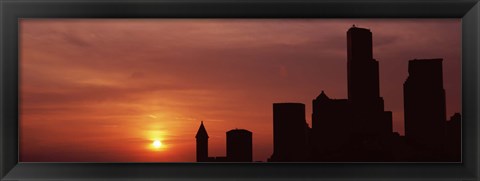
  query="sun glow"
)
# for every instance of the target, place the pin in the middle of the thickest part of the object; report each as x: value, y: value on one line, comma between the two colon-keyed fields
x: 157, y: 144
x: 157, y: 139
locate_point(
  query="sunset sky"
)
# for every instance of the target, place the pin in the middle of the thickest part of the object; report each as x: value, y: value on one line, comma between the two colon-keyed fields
x: 104, y: 90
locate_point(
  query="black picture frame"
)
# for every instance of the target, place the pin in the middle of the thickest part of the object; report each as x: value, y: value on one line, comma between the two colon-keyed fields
x: 12, y: 10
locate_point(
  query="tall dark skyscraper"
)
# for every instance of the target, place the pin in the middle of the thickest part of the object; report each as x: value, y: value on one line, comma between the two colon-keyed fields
x: 357, y: 128
x: 202, y: 144
x: 290, y: 133
x: 239, y: 145
x: 363, y: 84
x: 362, y: 69
x: 424, y: 103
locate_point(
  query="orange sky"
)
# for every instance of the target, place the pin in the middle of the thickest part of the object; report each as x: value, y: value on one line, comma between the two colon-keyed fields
x: 103, y: 90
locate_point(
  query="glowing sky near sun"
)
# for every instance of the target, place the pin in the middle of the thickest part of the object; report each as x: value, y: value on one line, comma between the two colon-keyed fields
x: 106, y: 90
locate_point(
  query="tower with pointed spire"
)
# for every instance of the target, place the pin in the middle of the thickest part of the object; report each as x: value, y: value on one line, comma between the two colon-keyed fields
x: 202, y: 143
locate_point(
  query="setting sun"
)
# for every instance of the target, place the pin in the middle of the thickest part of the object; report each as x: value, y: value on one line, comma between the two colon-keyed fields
x: 157, y: 144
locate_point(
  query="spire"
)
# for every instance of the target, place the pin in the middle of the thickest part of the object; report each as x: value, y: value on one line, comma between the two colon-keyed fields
x: 322, y: 96
x: 202, y: 132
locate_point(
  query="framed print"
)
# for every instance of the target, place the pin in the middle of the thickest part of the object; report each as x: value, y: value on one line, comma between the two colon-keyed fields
x: 246, y: 90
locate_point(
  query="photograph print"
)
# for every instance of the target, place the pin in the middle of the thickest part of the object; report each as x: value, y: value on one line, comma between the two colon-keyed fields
x: 240, y: 90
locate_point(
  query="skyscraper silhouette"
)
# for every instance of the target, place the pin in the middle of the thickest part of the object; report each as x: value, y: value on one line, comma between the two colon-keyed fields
x: 362, y: 69
x: 202, y: 144
x: 239, y: 145
x: 358, y: 123
x: 424, y: 105
x: 363, y: 84
x: 290, y: 133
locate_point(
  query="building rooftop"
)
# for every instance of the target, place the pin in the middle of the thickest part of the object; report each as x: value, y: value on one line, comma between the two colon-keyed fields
x: 322, y: 96
x: 236, y: 130
x: 427, y: 60
x: 288, y: 103
x: 356, y: 28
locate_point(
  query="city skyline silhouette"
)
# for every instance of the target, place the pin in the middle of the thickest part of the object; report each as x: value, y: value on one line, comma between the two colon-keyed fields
x: 358, y: 129
x: 137, y: 90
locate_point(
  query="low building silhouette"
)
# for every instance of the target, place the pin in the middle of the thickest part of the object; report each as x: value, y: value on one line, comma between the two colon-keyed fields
x: 289, y: 133
x: 453, y: 138
x: 239, y: 145
x: 332, y: 127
